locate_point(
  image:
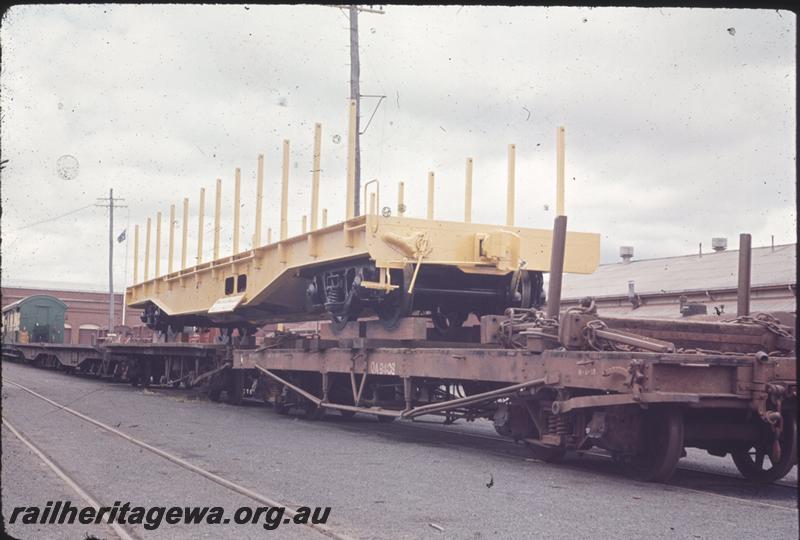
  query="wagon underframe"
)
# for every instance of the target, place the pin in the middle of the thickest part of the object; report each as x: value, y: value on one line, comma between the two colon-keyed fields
x: 642, y: 407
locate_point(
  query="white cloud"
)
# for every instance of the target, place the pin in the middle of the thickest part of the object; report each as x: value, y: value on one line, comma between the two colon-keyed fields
x: 677, y: 130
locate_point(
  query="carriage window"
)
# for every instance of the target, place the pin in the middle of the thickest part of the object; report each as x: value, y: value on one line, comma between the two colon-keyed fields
x: 229, y: 285
x: 241, y: 283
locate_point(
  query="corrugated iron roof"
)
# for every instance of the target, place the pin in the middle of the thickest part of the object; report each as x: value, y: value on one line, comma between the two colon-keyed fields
x: 31, y: 298
x: 715, y: 270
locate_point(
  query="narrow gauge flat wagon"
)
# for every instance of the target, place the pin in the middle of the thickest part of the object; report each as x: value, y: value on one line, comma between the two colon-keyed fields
x: 642, y: 406
x: 391, y: 266
x: 388, y: 265
x: 158, y: 364
x: 641, y: 389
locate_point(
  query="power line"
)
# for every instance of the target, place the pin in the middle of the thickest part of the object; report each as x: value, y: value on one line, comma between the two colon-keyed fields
x: 46, y: 220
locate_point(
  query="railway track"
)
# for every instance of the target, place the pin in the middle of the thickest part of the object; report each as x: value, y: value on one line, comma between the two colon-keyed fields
x: 686, y: 479
x: 599, y: 463
x: 255, y: 496
x: 115, y: 528
x: 518, y: 450
x: 483, y: 444
x: 601, y: 455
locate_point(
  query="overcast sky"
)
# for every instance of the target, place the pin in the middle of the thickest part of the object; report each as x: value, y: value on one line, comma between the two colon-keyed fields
x: 680, y: 123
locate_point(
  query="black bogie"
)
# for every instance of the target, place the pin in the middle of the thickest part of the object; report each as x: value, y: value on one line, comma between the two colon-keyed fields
x: 445, y: 293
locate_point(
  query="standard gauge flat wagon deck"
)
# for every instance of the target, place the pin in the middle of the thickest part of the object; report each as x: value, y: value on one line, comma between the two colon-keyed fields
x: 377, y: 263
x: 389, y: 265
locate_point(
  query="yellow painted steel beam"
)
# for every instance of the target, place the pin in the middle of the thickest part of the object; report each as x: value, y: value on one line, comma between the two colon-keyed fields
x: 236, y: 209
x: 185, y: 231
x: 510, y: 197
x: 468, y: 193
x: 259, y: 201
x: 315, y: 175
x: 217, y: 217
x: 273, y: 271
x: 401, y: 198
x: 285, y: 192
x: 430, y: 194
x: 171, y: 249
x: 147, y: 252
x: 389, y: 242
x: 201, y: 225
x: 136, y: 254
x: 560, y: 171
x: 158, y: 244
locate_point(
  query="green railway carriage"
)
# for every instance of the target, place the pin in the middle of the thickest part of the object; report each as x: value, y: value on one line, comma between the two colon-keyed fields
x: 38, y: 318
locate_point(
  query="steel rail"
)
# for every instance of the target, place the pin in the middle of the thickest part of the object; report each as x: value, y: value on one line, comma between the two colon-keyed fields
x: 121, y: 532
x: 435, y: 427
x: 241, y: 490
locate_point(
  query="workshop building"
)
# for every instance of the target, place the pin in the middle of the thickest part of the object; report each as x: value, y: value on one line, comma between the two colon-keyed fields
x: 87, y: 311
x: 703, y: 284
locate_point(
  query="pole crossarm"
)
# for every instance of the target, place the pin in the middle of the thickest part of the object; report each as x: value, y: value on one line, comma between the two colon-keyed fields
x: 370, y: 9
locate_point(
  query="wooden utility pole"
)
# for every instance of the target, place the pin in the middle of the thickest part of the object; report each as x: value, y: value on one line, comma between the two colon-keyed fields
x: 355, y: 90
x: 110, y: 203
x: 355, y: 93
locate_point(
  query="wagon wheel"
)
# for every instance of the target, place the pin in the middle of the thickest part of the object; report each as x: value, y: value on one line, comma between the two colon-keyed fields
x: 390, y: 310
x: 147, y: 374
x: 215, y: 386
x: 281, y: 405
x: 448, y: 323
x: 247, y: 335
x: 548, y: 454
x: 339, y: 320
x: 187, y: 382
x: 520, y: 290
x: 393, y: 307
x: 312, y: 411
x: 661, y: 445
x: 214, y: 393
x: 750, y: 461
x: 236, y: 387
